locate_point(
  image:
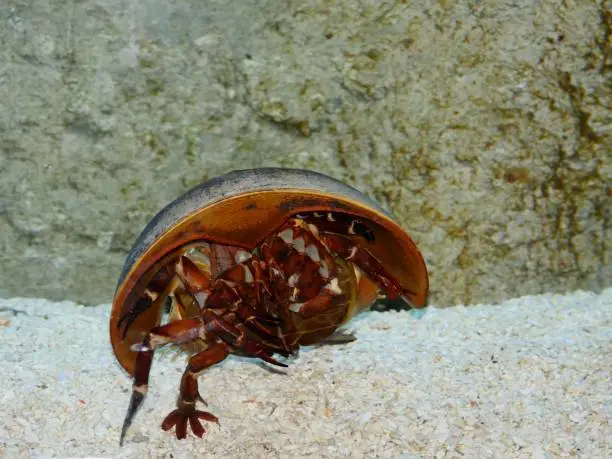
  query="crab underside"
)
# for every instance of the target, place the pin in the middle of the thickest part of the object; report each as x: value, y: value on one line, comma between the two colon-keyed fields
x: 295, y: 288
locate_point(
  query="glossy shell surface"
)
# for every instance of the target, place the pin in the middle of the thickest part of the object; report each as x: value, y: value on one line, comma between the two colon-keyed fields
x: 241, y: 209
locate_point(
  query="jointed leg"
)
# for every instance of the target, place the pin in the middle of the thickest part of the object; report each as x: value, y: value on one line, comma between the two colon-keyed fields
x: 144, y: 359
x: 189, y: 394
x: 179, y: 331
x: 350, y: 251
x: 339, y: 223
x: 334, y: 230
x: 160, y: 286
x: 239, y: 340
x: 182, y: 331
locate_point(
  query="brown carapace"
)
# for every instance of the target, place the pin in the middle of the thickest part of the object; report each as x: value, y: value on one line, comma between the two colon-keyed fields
x: 255, y: 263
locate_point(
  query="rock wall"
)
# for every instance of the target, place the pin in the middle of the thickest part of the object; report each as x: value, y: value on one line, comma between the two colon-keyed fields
x: 484, y: 126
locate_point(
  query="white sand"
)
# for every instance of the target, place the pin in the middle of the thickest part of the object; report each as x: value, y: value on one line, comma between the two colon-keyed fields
x: 528, y: 378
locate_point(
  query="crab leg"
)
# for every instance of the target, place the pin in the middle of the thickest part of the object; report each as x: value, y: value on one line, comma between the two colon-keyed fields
x: 178, y: 332
x: 182, y: 331
x: 236, y: 337
x: 224, y: 290
x: 144, y: 360
x: 334, y: 222
x: 350, y: 251
x: 334, y: 230
x: 256, y: 321
x: 189, y: 394
x: 160, y: 286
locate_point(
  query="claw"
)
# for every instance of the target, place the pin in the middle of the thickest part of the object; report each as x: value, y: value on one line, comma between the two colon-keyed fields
x: 253, y: 349
x: 200, y: 399
x: 135, y: 402
x: 272, y: 361
x: 139, y: 389
x: 181, y: 416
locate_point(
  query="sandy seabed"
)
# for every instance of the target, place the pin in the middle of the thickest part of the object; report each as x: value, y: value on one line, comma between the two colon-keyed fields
x: 530, y: 378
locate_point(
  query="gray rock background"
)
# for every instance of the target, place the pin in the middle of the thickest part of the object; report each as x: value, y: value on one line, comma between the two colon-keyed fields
x: 484, y: 126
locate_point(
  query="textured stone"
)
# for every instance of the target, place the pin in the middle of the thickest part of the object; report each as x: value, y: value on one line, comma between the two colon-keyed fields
x: 484, y: 127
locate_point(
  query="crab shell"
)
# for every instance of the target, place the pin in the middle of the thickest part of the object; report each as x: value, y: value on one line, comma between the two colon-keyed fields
x: 241, y: 209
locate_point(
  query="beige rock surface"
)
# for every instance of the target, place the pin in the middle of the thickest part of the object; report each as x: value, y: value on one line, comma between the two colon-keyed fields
x: 484, y: 126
